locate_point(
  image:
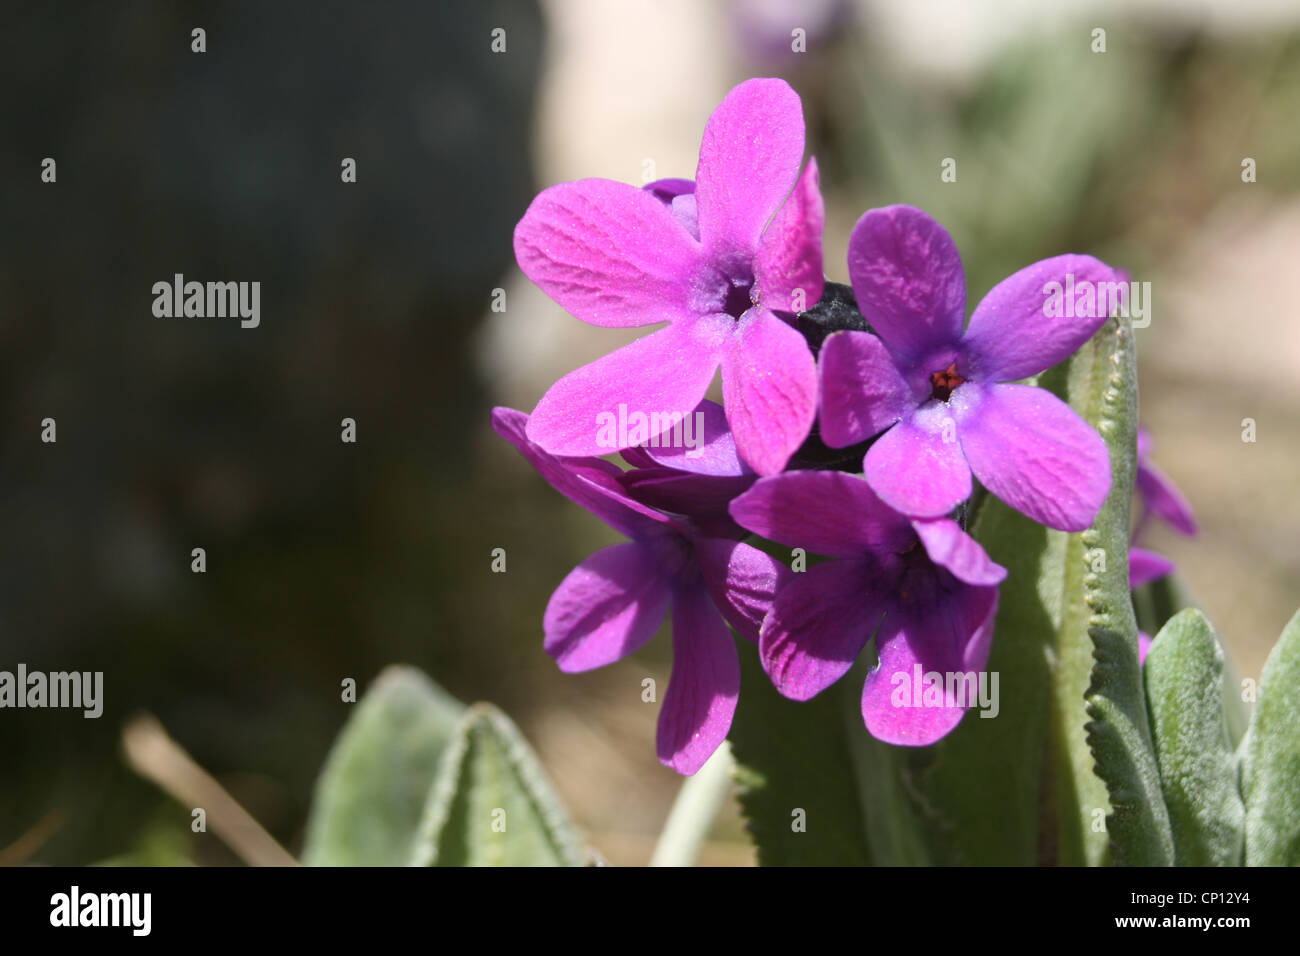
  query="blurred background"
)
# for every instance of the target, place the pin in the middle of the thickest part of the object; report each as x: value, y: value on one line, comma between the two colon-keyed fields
x: 328, y: 560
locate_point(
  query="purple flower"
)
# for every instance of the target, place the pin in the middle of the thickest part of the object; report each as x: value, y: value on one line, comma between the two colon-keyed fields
x: 941, y: 393
x: 613, y: 602
x: 1157, y: 495
x: 929, y: 589
x: 716, y: 260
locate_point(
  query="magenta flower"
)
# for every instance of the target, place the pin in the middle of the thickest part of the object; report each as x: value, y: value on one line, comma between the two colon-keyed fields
x: 717, y: 262
x: 928, y: 587
x: 612, y: 603
x: 1158, y: 496
x: 942, y: 394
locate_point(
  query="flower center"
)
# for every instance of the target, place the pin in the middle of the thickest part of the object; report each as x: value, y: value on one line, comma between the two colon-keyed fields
x: 942, y: 383
x: 739, y: 298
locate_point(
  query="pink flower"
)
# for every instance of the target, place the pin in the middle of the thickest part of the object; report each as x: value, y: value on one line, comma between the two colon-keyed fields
x: 724, y: 264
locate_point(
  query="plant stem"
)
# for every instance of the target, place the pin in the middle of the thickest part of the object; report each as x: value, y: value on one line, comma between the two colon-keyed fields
x: 696, y: 807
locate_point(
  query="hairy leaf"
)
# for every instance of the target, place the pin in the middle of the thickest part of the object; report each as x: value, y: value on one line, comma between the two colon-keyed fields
x: 1270, y: 765
x: 491, y: 804
x: 371, y: 793
x: 1198, y: 767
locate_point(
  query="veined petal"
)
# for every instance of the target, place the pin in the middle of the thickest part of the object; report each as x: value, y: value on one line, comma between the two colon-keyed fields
x: 926, y: 649
x: 1021, y: 328
x: 610, y: 253
x: 1034, y: 452
x: 742, y: 580
x: 749, y: 160
x: 788, y: 268
x: 590, y: 483
x: 826, y: 512
x: 917, y: 467
x: 952, y: 548
x: 607, y: 607
x: 908, y: 280
x: 862, y: 391
x: 769, y: 390
x: 819, y: 624
x: 705, y: 683
x: 591, y: 411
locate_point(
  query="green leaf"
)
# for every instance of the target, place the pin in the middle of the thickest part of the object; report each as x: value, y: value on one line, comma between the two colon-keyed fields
x: 1103, y: 388
x: 1270, y: 765
x: 1198, y: 768
x: 491, y: 804
x: 816, y: 789
x: 1156, y: 603
x: 372, y: 790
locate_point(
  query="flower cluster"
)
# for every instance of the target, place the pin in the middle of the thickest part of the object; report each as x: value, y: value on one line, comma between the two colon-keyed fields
x: 853, y: 424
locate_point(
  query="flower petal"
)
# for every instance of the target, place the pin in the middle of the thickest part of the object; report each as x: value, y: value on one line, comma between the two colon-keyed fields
x: 606, y: 608
x: 952, y: 637
x: 862, y: 391
x: 749, y: 160
x: 679, y: 196
x: 666, y: 190
x: 788, y: 268
x: 1146, y: 566
x: 952, y: 548
x: 1144, y: 646
x: 743, y: 581
x: 819, y: 624
x: 908, y: 280
x: 1034, y: 452
x: 1163, y: 499
x: 610, y: 253
x: 827, y: 512
x: 705, y: 445
x: 917, y: 467
x: 1015, y: 332
x: 699, y: 496
x: 591, y: 483
x: 705, y: 683
x: 664, y: 373
x: 769, y: 390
